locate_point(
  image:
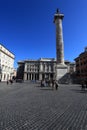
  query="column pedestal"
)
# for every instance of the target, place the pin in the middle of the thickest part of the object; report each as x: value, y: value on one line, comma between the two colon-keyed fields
x: 61, y: 70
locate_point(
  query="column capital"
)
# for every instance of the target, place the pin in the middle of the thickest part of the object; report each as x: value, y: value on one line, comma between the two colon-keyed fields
x: 58, y: 15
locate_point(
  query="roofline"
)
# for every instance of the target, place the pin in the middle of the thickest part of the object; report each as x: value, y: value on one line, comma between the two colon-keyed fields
x: 7, y: 49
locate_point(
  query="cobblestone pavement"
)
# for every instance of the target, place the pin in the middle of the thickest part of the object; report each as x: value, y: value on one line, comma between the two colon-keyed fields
x: 26, y: 106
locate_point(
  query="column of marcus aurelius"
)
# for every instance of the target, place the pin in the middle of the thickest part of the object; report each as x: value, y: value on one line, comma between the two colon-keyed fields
x: 61, y: 68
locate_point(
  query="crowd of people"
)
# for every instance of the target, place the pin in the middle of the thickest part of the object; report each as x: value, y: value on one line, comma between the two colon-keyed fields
x: 50, y: 83
x: 84, y: 84
x: 9, y: 81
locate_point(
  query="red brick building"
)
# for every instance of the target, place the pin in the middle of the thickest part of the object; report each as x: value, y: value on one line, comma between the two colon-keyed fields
x: 81, y: 65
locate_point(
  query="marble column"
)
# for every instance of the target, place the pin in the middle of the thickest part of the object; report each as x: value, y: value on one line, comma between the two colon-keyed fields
x: 40, y: 76
x: 59, y: 37
x: 25, y: 76
x: 61, y: 68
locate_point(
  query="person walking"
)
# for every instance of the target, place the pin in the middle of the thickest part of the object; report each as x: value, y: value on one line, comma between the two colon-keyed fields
x: 53, y: 84
x: 56, y: 85
x: 83, y: 85
x: 7, y: 82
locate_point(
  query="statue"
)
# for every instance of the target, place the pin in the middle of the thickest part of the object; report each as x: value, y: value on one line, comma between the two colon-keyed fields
x: 57, y: 11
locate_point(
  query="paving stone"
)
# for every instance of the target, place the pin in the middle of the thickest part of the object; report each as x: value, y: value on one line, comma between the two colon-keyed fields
x: 27, y: 106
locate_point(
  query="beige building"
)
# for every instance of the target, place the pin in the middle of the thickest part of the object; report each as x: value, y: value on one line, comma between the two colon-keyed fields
x: 43, y: 68
x: 81, y: 65
x: 6, y: 63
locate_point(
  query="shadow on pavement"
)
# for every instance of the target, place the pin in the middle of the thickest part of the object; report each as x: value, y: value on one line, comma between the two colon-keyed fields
x: 46, y: 89
x: 79, y: 91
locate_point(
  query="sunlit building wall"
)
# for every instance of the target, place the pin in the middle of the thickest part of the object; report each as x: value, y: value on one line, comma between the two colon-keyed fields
x: 43, y: 68
x: 81, y: 65
x: 6, y: 64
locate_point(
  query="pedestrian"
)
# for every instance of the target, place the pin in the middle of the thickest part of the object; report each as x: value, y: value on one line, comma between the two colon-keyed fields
x: 56, y: 85
x: 83, y: 85
x: 53, y: 83
x: 48, y: 83
x: 11, y: 81
x: 7, y: 82
x: 86, y: 83
x: 41, y: 83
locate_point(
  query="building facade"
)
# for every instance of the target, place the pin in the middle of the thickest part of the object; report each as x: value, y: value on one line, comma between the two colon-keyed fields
x: 43, y: 68
x: 81, y: 65
x: 6, y: 64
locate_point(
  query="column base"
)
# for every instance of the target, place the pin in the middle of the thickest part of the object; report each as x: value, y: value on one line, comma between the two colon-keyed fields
x: 61, y: 71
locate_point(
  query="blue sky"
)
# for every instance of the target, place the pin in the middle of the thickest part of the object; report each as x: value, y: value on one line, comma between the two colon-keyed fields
x: 27, y: 28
